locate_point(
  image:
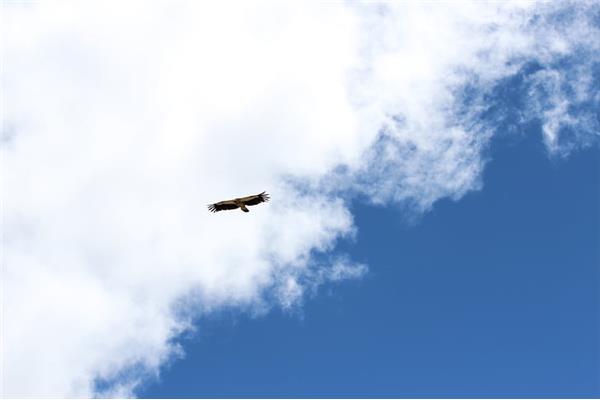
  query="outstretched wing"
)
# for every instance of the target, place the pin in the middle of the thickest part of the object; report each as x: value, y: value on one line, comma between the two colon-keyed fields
x: 256, y: 199
x: 223, y: 205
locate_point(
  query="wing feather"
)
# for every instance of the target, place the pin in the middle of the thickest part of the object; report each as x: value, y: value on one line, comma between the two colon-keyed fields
x: 256, y: 199
x: 223, y: 205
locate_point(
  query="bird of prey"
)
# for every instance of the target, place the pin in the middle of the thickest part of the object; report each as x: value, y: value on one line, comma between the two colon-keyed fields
x: 241, y: 202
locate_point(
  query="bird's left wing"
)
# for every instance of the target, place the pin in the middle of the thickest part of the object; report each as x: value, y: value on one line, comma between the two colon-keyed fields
x: 256, y: 199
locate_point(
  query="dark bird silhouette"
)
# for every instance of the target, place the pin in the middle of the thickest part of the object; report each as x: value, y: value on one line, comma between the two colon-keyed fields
x: 241, y: 202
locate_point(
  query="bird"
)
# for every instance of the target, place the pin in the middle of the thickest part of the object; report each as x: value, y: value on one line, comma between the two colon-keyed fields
x: 241, y: 202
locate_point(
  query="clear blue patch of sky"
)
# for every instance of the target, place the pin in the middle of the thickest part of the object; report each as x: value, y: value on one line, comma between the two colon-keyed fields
x: 496, y: 295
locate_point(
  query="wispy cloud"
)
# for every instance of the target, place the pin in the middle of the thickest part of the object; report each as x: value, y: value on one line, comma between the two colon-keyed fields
x: 123, y: 120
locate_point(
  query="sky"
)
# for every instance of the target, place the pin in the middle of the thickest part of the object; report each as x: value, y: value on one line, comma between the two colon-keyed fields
x: 434, y: 226
x: 492, y: 296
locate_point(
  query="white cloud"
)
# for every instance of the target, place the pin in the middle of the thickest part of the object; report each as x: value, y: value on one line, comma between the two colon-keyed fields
x: 122, y: 120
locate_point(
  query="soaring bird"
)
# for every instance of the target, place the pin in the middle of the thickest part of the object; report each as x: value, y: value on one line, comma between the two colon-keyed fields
x: 241, y: 202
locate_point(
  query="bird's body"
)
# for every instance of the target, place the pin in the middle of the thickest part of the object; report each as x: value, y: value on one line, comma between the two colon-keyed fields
x: 241, y: 203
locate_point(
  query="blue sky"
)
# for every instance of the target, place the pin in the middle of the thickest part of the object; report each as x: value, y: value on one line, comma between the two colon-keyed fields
x: 494, y: 295
x: 433, y: 228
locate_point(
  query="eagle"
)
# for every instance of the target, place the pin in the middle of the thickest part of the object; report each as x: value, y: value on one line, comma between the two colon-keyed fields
x: 241, y: 202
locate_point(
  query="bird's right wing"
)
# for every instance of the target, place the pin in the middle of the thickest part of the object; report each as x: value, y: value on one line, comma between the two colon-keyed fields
x: 223, y: 205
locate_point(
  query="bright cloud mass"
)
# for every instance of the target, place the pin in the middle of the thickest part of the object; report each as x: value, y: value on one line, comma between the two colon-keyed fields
x: 121, y: 121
